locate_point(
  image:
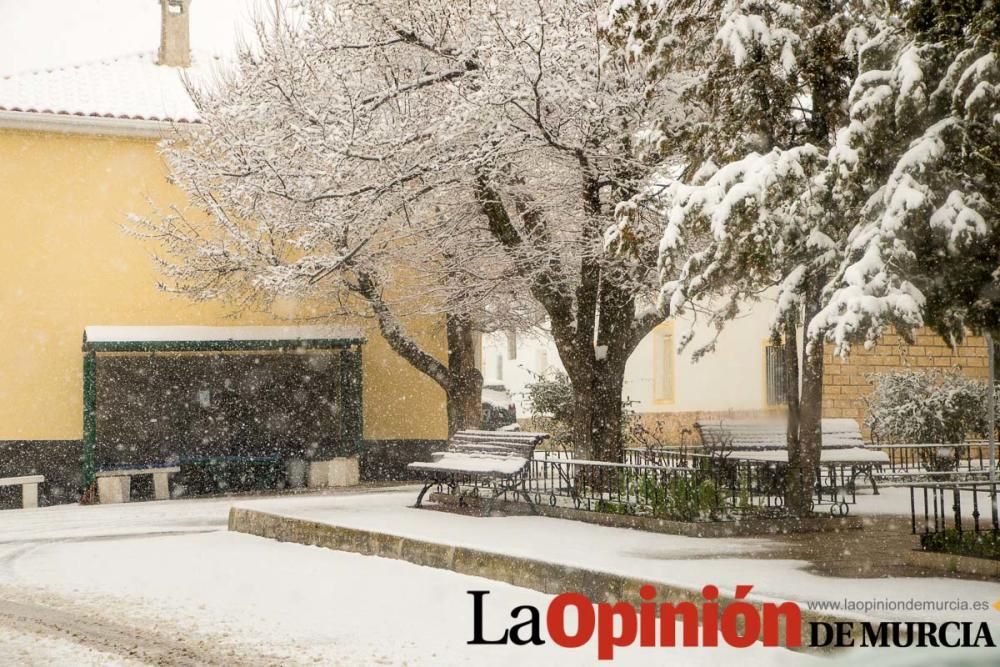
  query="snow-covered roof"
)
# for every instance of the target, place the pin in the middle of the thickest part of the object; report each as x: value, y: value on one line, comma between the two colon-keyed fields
x: 131, y: 87
x: 185, y: 333
x: 98, y: 59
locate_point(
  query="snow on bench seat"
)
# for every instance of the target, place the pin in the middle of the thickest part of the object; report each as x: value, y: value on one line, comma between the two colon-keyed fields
x: 473, y: 464
x: 765, y: 440
x: 770, y: 434
x: 850, y: 455
x: 498, y: 456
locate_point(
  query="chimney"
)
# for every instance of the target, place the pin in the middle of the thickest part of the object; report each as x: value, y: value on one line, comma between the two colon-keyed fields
x: 175, y: 33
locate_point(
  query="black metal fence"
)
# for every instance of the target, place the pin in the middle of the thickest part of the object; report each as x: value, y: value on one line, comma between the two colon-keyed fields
x: 836, y: 483
x: 665, y: 484
x: 972, y: 456
x: 938, y: 507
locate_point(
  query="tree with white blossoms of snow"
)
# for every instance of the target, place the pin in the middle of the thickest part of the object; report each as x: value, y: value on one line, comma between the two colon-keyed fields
x: 749, y: 210
x: 918, y: 169
x: 430, y: 156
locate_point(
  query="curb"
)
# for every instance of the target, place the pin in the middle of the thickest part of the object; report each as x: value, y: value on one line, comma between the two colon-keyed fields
x: 542, y: 576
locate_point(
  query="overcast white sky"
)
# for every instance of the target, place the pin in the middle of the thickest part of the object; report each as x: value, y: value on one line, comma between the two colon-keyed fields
x: 41, y: 34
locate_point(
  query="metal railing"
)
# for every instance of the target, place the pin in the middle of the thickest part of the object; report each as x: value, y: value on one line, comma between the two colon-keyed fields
x: 937, y: 507
x: 665, y: 456
x: 836, y: 483
x: 969, y: 456
x: 705, y: 490
x: 699, y: 487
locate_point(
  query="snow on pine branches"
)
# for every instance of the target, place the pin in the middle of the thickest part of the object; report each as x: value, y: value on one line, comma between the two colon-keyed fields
x: 776, y: 75
x: 918, y: 168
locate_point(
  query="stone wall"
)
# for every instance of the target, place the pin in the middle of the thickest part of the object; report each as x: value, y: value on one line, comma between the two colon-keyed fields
x: 846, y: 381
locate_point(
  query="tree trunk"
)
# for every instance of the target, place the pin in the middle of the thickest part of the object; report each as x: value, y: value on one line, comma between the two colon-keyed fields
x: 811, y: 420
x: 597, y: 414
x: 459, y: 378
x: 806, y: 442
x: 465, y: 389
x: 793, y: 478
x: 597, y: 372
x: 597, y: 313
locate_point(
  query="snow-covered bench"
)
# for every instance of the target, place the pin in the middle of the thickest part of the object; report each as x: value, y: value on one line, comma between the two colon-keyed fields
x: 766, y: 441
x: 114, y: 485
x: 29, y: 488
x: 498, y: 457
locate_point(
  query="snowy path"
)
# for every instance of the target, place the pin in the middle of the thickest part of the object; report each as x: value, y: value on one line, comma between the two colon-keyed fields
x: 164, y: 584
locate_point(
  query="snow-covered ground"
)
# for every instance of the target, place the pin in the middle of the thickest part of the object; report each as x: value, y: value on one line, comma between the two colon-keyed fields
x: 151, y: 583
x: 165, y: 583
x: 671, y: 559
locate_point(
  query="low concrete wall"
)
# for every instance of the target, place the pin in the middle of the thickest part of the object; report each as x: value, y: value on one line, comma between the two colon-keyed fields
x: 537, y: 575
x: 743, y: 528
x: 954, y: 564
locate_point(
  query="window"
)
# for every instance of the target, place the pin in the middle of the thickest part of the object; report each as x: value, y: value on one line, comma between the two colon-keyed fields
x: 774, y: 363
x: 663, y: 360
x: 499, y: 374
x: 512, y: 345
x: 541, y: 361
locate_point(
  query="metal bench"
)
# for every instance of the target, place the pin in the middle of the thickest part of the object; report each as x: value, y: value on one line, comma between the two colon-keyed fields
x: 498, y: 458
x: 29, y: 488
x: 766, y: 440
x: 114, y: 485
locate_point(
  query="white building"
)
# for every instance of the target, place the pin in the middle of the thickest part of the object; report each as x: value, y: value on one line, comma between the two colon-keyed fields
x: 658, y: 378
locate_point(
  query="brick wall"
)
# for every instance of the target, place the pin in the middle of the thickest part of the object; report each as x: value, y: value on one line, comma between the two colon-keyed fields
x: 845, y: 381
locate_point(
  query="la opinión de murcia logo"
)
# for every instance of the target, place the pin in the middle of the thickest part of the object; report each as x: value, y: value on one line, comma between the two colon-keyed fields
x: 707, y: 623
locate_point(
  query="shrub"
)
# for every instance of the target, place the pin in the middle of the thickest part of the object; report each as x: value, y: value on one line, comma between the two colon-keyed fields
x: 980, y: 545
x: 550, y: 397
x: 678, y: 497
x: 911, y: 406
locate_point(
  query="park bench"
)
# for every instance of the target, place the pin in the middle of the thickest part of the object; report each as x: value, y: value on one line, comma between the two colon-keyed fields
x: 114, y: 485
x: 499, y: 459
x: 29, y: 488
x: 766, y: 441
x: 114, y: 482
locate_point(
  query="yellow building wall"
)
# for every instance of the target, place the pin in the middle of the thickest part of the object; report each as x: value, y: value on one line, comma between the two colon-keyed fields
x: 65, y: 263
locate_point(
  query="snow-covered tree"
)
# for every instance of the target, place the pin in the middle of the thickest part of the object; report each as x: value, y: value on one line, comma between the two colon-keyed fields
x: 927, y: 406
x: 427, y: 156
x: 749, y: 212
x: 918, y: 169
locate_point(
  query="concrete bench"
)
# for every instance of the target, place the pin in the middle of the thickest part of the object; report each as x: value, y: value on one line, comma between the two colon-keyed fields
x: 500, y: 458
x: 29, y: 488
x: 115, y: 485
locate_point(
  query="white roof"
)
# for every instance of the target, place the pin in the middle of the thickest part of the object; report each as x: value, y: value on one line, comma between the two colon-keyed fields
x: 174, y: 333
x: 131, y: 87
x: 98, y: 59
